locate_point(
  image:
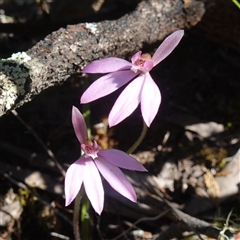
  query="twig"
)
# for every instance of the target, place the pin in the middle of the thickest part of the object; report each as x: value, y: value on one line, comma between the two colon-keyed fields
x: 65, y: 218
x: 24, y: 186
x: 76, y: 211
x: 142, y: 220
x: 49, y: 152
x: 139, y: 140
x: 17, y: 183
x: 54, y: 234
x: 33, y: 158
x: 187, y: 222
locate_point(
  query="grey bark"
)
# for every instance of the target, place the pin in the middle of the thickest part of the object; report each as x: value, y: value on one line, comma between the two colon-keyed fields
x: 66, y: 51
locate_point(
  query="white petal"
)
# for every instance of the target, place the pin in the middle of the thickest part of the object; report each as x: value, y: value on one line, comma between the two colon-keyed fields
x: 121, y: 159
x: 167, y: 46
x: 73, y: 180
x: 93, y: 186
x: 127, y: 102
x: 106, y: 85
x: 79, y: 125
x: 107, y: 65
x: 150, y: 99
x: 116, y: 178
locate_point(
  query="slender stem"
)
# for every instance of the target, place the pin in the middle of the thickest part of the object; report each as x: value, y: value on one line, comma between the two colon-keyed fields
x: 85, y: 219
x: 236, y: 3
x: 141, y: 220
x: 76, y: 211
x: 32, y: 131
x: 141, y: 137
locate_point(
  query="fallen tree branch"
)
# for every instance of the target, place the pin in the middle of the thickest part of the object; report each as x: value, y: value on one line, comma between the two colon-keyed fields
x: 66, y: 51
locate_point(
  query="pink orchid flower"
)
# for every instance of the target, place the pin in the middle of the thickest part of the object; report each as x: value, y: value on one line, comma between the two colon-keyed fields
x: 86, y: 169
x: 140, y: 90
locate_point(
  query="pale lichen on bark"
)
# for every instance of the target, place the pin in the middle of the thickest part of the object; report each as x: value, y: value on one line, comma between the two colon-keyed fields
x: 13, y: 76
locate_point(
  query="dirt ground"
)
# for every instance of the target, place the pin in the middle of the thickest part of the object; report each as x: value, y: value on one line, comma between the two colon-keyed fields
x: 196, y: 129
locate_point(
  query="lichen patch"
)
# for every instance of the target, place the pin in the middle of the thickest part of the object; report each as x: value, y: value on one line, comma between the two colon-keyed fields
x: 92, y: 27
x: 13, y: 77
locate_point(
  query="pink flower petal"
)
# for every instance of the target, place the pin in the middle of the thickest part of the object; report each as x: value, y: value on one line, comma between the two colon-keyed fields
x: 121, y: 159
x: 127, y: 102
x: 116, y: 178
x: 150, y: 99
x: 107, y: 65
x: 106, y: 85
x: 73, y: 180
x: 167, y: 46
x: 79, y: 125
x: 93, y: 186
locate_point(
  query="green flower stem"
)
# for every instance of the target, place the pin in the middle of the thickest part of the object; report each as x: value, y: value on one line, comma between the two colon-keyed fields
x: 236, y: 3
x: 76, y: 214
x: 86, y: 114
x: 141, y: 137
x: 85, y: 219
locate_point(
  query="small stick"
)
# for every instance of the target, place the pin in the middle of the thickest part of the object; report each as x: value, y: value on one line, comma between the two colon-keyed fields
x: 49, y: 152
